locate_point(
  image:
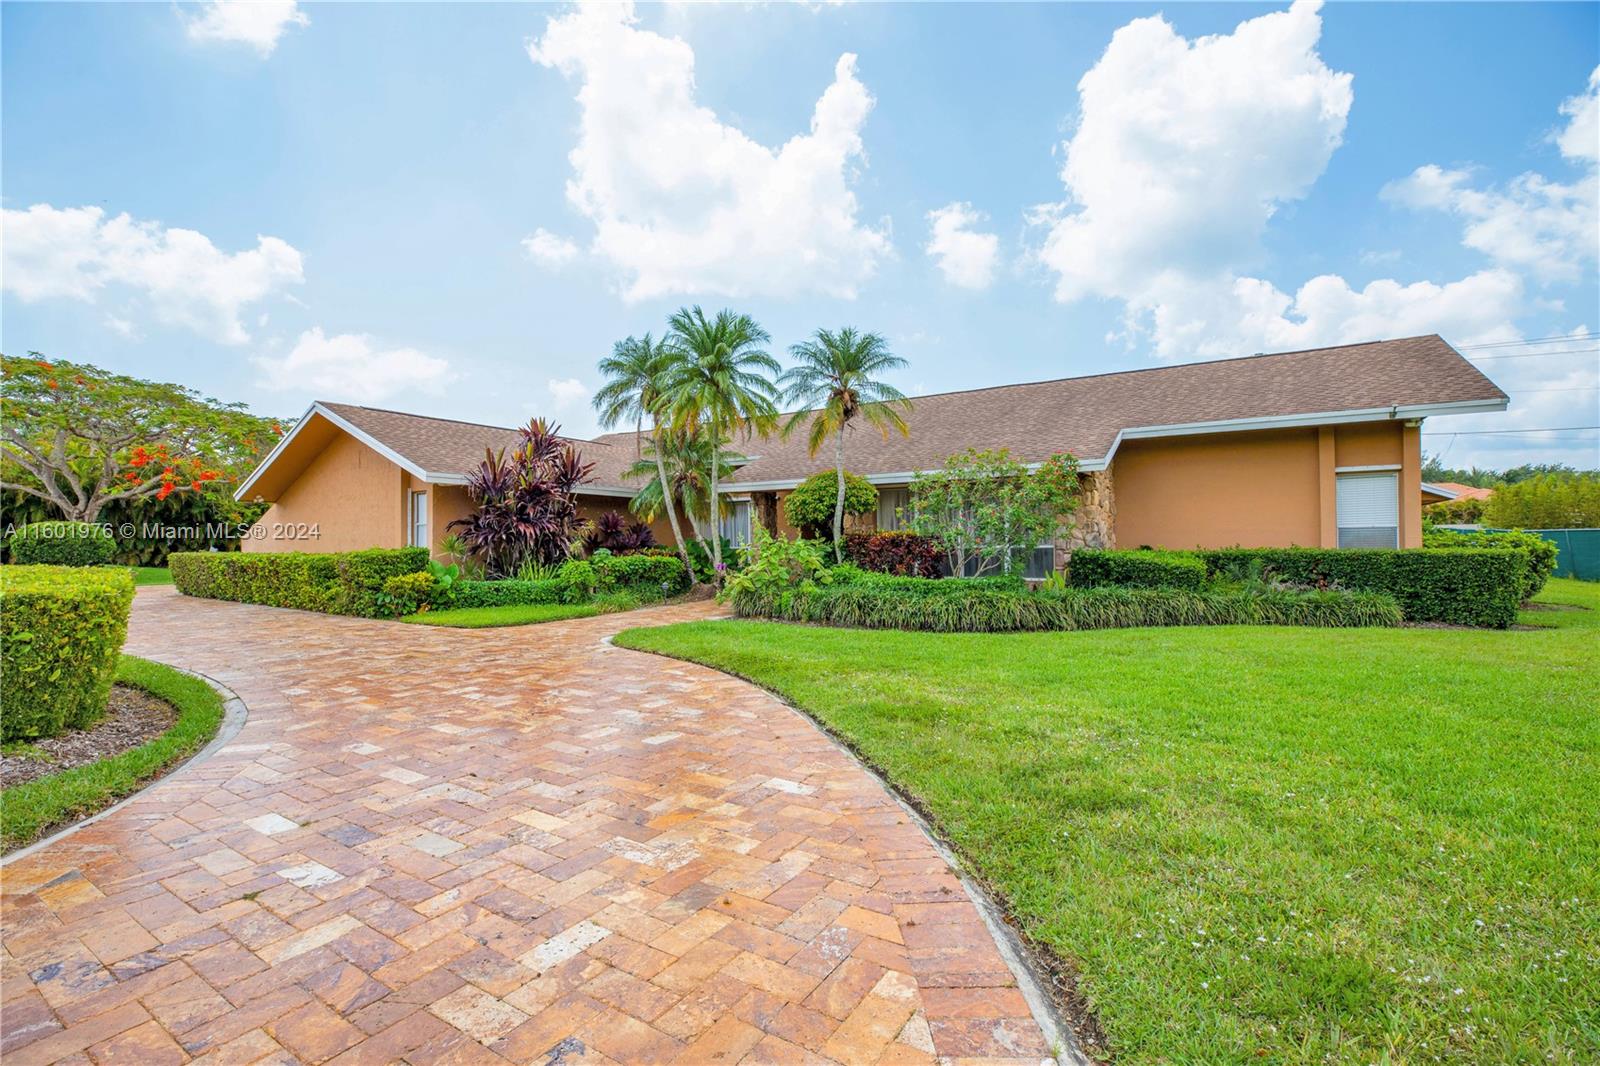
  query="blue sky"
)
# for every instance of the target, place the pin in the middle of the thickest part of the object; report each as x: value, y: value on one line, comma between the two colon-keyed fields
x: 458, y: 208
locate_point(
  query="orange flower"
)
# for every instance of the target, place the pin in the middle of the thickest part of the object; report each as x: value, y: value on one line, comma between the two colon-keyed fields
x: 166, y: 490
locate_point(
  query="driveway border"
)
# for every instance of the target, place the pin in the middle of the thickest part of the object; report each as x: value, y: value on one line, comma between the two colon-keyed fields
x: 234, y: 716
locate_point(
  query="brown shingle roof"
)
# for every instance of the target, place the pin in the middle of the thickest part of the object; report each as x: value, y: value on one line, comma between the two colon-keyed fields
x: 1080, y: 415
x: 1083, y: 415
x: 448, y: 446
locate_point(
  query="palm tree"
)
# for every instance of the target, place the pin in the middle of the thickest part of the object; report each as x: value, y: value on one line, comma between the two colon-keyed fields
x: 637, y: 372
x: 835, y: 380
x: 686, y: 454
x: 720, y: 383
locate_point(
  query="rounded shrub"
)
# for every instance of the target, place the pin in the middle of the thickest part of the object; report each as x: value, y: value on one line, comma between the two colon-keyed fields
x: 809, y: 507
x: 62, y: 544
x: 61, y: 629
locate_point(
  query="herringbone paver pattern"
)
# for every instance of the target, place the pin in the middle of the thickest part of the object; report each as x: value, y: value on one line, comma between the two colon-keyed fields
x: 524, y: 845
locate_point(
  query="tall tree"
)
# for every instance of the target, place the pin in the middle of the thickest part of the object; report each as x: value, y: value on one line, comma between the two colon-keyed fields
x: 721, y: 384
x: 79, y: 437
x: 835, y: 380
x: 637, y: 374
x: 686, y: 454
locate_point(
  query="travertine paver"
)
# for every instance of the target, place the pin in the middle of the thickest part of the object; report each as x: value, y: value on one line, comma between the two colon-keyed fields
x: 512, y: 845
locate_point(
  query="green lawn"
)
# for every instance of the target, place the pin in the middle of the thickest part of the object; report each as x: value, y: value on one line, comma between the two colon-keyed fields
x: 29, y: 810
x: 492, y: 617
x: 1255, y: 844
x: 151, y: 575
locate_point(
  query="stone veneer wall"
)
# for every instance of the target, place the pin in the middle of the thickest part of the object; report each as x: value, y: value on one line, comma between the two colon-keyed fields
x: 1094, y: 523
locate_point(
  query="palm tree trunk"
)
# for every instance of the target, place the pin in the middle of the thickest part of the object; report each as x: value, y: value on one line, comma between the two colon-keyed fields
x: 838, y: 503
x: 716, y: 504
x: 672, y: 510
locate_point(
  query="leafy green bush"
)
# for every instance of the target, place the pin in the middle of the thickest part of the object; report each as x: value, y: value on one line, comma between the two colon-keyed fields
x: 1541, y: 553
x: 846, y: 573
x: 409, y: 593
x: 646, y: 573
x: 1462, y: 586
x: 809, y: 507
x: 1146, y: 568
x: 509, y: 593
x: 1565, y: 500
x: 62, y: 544
x: 579, y: 581
x: 969, y: 609
x: 1463, y: 511
x: 778, y: 565
x: 338, y: 583
x: 61, y: 630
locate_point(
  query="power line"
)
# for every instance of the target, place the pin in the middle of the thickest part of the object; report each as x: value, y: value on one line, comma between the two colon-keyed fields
x: 1533, y: 355
x: 1552, y: 339
x: 1521, y: 432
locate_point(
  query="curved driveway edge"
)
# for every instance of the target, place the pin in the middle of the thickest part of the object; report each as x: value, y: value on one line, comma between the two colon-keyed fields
x: 496, y: 845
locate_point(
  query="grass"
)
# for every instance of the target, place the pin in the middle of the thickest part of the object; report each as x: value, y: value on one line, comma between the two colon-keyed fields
x: 151, y: 575
x: 525, y: 614
x: 31, y: 809
x: 1255, y: 844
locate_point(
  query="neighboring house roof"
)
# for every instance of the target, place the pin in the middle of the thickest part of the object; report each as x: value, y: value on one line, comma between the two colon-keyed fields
x: 1459, y: 491
x: 1086, y: 416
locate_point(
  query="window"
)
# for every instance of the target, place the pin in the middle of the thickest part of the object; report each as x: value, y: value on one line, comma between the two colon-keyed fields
x: 736, y: 523
x: 891, y: 504
x: 1368, y: 510
x: 1036, y: 564
x: 419, y: 520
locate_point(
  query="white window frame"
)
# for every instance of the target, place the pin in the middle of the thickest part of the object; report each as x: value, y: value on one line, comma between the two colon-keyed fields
x: 1367, y: 534
x: 889, y: 516
x: 417, y: 519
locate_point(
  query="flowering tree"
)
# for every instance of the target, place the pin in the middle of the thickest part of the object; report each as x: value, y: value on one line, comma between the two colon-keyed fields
x: 524, y: 509
x: 987, y: 511
x: 78, y: 437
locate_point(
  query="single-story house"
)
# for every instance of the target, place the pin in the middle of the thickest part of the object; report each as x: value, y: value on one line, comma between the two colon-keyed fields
x: 1319, y: 447
x: 1440, y: 491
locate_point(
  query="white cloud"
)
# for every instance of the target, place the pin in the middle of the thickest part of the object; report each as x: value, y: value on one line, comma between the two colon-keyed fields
x: 1185, y: 149
x: 547, y: 249
x: 682, y: 202
x: 965, y: 256
x: 1183, y: 152
x: 257, y: 23
x: 567, y: 392
x: 76, y: 252
x: 1548, y: 228
x: 350, y: 366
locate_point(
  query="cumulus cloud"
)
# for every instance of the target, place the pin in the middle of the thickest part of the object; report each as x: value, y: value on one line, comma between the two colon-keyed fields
x: 683, y: 203
x: 964, y: 255
x: 1549, y: 228
x: 351, y: 366
x: 77, y: 253
x: 547, y: 249
x: 1182, y: 154
x: 567, y: 392
x: 257, y: 23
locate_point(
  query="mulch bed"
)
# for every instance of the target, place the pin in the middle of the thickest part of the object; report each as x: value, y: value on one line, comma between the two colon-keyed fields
x: 133, y: 717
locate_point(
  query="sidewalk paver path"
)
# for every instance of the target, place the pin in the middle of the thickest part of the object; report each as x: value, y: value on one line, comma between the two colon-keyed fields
x: 517, y: 845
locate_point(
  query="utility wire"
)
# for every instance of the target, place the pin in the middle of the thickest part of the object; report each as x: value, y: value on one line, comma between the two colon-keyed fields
x: 1521, y: 432
x: 1552, y: 339
x: 1533, y: 355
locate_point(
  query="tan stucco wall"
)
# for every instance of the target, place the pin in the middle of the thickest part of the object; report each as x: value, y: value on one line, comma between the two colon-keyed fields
x: 1263, y: 489
x: 349, y: 492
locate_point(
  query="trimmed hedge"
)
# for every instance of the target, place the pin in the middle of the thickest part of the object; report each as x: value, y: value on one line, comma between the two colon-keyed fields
x: 61, y: 629
x: 1541, y: 553
x: 849, y: 574
x: 978, y: 610
x: 332, y: 583
x: 1146, y: 568
x: 1462, y: 586
x: 61, y: 544
x: 642, y: 573
x: 510, y: 593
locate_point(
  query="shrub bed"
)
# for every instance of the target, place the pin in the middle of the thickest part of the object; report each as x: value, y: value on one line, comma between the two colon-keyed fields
x: 333, y: 583
x: 61, y: 630
x: 509, y: 593
x: 639, y: 573
x: 61, y: 544
x: 870, y: 605
x: 1465, y: 586
x: 1091, y: 567
x: 894, y: 552
x: 579, y: 581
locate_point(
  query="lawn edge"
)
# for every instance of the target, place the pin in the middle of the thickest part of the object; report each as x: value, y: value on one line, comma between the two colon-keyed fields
x: 233, y: 717
x: 1047, y: 981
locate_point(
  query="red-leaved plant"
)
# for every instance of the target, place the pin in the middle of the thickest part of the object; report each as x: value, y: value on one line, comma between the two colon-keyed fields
x: 524, y: 508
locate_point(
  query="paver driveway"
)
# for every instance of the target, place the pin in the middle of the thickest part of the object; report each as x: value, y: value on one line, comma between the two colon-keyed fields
x: 498, y: 845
